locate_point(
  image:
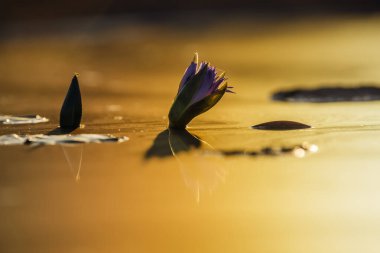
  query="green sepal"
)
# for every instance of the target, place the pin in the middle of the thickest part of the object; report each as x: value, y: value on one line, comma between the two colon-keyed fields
x: 184, y: 97
x: 195, y: 109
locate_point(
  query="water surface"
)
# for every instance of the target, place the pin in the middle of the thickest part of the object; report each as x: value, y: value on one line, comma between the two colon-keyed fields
x: 185, y: 196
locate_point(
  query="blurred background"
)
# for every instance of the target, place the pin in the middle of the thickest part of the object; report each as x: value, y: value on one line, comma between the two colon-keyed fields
x: 131, y: 56
x: 23, y: 10
x: 122, y: 47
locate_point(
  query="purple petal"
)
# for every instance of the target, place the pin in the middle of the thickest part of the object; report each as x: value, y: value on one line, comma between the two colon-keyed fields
x: 201, y: 65
x: 217, y: 83
x: 189, y: 73
x: 207, y: 83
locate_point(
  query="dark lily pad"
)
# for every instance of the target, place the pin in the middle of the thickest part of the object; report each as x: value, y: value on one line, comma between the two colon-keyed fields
x: 329, y: 94
x: 41, y: 139
x: 281, y: 125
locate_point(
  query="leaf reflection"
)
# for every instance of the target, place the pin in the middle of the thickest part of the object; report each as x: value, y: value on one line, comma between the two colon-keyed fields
x: 74, y: 156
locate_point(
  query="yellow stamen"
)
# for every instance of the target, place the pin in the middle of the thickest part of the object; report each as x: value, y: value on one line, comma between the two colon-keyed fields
x: 195, y: 59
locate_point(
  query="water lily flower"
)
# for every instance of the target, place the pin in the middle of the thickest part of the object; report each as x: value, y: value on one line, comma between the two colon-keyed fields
x: 199, y: 90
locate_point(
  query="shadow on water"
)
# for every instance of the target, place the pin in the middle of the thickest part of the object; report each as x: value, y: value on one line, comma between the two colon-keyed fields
x: 203, y: 169
x: 201, y: 174
x: 170, y: 142
x: 60, y: 131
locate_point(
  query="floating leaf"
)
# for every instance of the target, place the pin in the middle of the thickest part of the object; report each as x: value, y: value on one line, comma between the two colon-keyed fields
x: 12, y: 139
x: 42, y: 139
x: 281, y: 125
x: 329, y: 94
x: 18, y: 120
x: 80, y: 138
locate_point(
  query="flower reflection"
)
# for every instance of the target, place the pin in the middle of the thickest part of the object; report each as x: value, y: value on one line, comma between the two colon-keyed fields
x: 181, y: 140
x: 201, y: 173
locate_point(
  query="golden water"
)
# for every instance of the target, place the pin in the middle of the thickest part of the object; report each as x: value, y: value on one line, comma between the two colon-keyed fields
x: 111, y: 198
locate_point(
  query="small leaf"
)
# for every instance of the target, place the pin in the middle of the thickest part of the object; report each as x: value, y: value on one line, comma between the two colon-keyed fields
x: 281, y: 125
x: 71, y: 111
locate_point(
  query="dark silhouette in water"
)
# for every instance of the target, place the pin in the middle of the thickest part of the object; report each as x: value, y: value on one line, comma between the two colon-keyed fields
x: 71, y: 111
x: 329, y: 94
x: 59, y: 130
x: 172, y: 141
x: 281, y: 125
